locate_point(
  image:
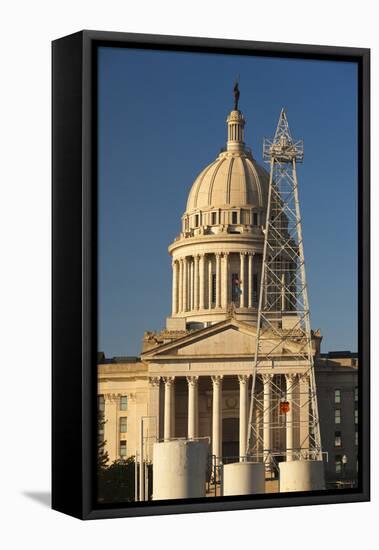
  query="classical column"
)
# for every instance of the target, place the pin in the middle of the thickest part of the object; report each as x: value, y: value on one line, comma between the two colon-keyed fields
x: 174, y: 287
x: 173, y: 408
x: 192, y: 406
x: 218, y: 279
x: 290, y: 381
x: 201, y: 281
x: 185, y: 281
x: 180, y: 290
x: 250, y: 290
x: 217, y: 418
x: 243, y: 380
x: 242, y: 279
x: 226, y: 279
x: 196, y: 282
x: 210, y: 284
x: 304, y: 412
x: 191, y: 293
x: 266, y: 378
x: 168, y: 401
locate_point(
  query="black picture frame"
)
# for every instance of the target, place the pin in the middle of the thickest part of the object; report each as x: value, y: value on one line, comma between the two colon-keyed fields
x: 74, y: 271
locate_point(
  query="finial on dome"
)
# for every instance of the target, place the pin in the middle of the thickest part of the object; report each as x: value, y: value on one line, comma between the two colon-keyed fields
x: 236, y: 124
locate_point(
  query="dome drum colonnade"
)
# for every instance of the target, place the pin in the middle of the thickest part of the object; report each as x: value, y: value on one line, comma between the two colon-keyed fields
x: 214, y: 280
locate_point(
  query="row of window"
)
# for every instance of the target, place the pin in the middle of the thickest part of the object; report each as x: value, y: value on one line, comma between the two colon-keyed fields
x: 215, y: 219
x: 337, y: 416
x: 337, y: 395
x: 338, y: 438
x: 122, y: 405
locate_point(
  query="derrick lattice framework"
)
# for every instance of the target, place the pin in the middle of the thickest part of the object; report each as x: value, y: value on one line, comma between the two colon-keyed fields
x: 283, y: 416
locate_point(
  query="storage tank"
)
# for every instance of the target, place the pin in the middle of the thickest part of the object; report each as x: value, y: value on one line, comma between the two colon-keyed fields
x: 243, y: 478
x: 301, y: 475
x: 180, y: 469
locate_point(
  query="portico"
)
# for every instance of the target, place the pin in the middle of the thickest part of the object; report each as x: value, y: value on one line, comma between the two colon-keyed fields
x: 205, y: 378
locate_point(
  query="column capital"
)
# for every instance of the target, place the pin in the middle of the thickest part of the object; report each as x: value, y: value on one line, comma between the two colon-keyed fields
x: 192, y: 379
x: 217, y: 379
x: 111, y: 396
x: 243, y: 378
x: 154, y: 381
x: 266, y: 378
x: 251, y: 253
x: 169, y: 380
x: 304, y: 377
x: 290, y: 377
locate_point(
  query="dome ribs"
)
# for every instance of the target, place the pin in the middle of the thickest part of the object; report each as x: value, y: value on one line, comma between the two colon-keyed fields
x: 220, y: 163
x: 229, y: 181
x: 199, y: 180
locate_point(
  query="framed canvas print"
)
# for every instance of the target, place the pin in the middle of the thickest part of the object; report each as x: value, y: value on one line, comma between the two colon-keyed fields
x: 210, y: 275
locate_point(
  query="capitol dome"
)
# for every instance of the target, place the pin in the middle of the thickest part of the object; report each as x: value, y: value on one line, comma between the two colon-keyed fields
x: 217, y: 256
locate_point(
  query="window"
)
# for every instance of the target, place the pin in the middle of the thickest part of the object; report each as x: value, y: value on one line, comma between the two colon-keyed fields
x: 197, y: 220
x: 100, y: 403
x: 337, y: 439
x: 235, y: 288
x: 234, y: 217
x: 356, y: 437
x: 337, y: 416
x: 123, y: 403
x: 255, y: 218
x: 123, y: 424
x: 123, y: 448
x: 337, y: 396
x: 356, y: 416
x: 356, y: 393
x: 338, y: 464
x: 214, y: 218
x: 213, y: 297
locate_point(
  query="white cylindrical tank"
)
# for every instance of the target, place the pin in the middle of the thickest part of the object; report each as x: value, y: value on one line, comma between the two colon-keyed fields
x: 243, y: 478
x: 301, y: 475
x: 180, y: 469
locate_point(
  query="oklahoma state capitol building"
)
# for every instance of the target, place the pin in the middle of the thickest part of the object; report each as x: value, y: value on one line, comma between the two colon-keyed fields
x: 192, y: 378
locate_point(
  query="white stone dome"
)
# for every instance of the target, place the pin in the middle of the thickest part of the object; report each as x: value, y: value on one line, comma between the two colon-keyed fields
x: 233, y: 180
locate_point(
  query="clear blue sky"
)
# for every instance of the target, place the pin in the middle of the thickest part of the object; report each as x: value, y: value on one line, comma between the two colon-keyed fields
x: 162, y: 119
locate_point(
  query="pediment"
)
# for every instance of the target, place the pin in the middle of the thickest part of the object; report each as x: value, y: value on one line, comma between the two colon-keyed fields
x: 227, y: 338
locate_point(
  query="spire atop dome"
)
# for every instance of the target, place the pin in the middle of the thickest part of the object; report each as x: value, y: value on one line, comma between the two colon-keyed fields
x: 236, y: 123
